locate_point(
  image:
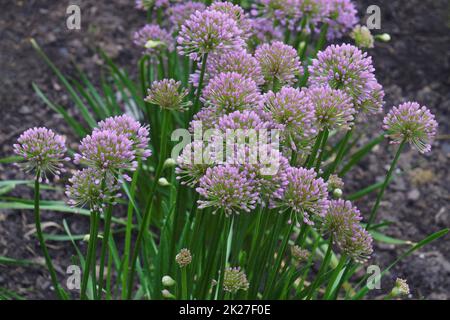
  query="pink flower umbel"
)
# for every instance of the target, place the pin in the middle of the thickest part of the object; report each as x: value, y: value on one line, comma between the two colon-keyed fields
x: 333, y: 109
x: 106, y: 150
x: 209, y: 31
x: 236, y: 13
x: 279, y: 63
x: 226, y: 187
x: 342, y: 18
x: 231, y: 91
x: 304, y: 194
x: 92, y: 188
x: 43, y: 151
x: 153, y: 39
x: 411, y: 123
x: 180, y: 12
x: 342, y: 221
x: 168, y: 94
x: 347, y: 68
x: 292, y: 109
x: 132, y: 129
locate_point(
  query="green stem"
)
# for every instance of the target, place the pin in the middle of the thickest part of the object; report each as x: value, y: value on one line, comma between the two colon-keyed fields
x: 90, y: 253
x: 340, y: 154
x: 105, y: 242
x: 373, y: 213
x: 322, y: 149
x: 323, y: 268
x: 200, y: 85
x: 184, y: 289
x: 312, y: 156
x: 40, y: 236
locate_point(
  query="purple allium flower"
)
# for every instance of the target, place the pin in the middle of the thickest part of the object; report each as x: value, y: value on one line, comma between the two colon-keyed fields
x: 192, y: 163
x: 279, y: 63
x: 132, y: 129
x: 42, y: 151
x: 343, y: 17
x: 413, y: 123
x: 333, y: 107
x: 347, y: 68
x: 227, y: 187
x: 147, y: 4
x: 234, y: 280
x: 153, y: 39
x: 263, y: 30
x: 236, y: 13
x: 92, y: 188
x: 168, y: 94
x: 304, y: 194
x: 300, y: 255
x: 244, y: 120
x: 231, y: 91
x: 180, y: 12
x: 286, y: 12
x: 238, y: 61
x: 107, y: 151
x: 209, y: 31
x: 342, y: 221
x: 291, y: 108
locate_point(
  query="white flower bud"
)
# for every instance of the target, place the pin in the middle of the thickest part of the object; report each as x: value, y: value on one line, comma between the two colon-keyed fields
x: 167, y: 281
x: 169, y: 163
x: 166, y: 294
x: 163, y: 182
x: 385, y: 37
x: 337, y: 193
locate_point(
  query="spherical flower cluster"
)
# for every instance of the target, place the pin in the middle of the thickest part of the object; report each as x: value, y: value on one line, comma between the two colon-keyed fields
x: 345, y: 67
x: 343, y: 17
x: 401, y: 287
x: 231, y: 91
x: 234, y: 280
x: 305, y: 194
x: 342, y: 221
x: 194, y: 160
x: 168, y: 94
x: 180, y: 12
x: 333, y: 107
x: 209, y: 31
x: 291, y: 108
x: 244, y: 120
x: 411, y: 123
x: 263, y: 30
x: 183, y: 258
x: 279, y: 63
x: 226, y: 187
x: 153, y: 39
x: 238, y: 61
x: 236, y: 13
x: 299, y: 254
x: 362, y: 36
x: 106, y: 150
x: 285, y: 12
x: 90, y: 187
x: 42, y: 151
x: 132, y: 129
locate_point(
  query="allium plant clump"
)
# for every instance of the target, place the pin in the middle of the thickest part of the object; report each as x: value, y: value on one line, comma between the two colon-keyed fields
x: 218, y: 171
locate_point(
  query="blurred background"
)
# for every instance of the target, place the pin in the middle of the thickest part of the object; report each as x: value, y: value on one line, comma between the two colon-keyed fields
x: 415, y: 65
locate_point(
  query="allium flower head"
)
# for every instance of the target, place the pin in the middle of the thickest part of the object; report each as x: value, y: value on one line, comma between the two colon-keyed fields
x: 195, y: 159
x: 291, y: 108
x: 92, y: 188
x: 168, y: 94
x: 299, y: 254
x: 347, y: 68
x: 244, y: 120
x: 183, y: 258
x: 180, y: 12
x: 286, y: 12
x: 401, y: 287
x: 153, y: 39
x: 234, y: 280
x: 333, y: 107
x: 107, y: 151
x: 412, y: 123
x: 132, y: 129
x: 236, y: 13
x: 226, y: 187
x: 209, y: 31
x: 148, y: 4
x: 342, y: 221
x: 231, y: 91
x: 42, y: 150
x: 362, y: 36
x: 279, y: 63
x: 305, y: 194
x: 238, y: 61
x: 263, y: 30
x: 343, y: 17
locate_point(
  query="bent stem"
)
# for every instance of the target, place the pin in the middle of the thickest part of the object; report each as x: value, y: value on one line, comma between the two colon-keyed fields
x: 387, y: 179
x: 37, y: 217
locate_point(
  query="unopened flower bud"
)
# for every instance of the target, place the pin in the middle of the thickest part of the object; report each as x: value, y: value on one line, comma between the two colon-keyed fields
x: 337, y: 193
x: 167, y: 281
x: 166, y: 294
x: 163, y: 182
x: 384, y: 37
x: 169, y: 163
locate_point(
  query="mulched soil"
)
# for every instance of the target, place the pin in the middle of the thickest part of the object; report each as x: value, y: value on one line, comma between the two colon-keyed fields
x: 413, y: 66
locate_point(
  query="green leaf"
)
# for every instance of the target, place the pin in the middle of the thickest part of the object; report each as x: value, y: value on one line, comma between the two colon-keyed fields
x: 360, y: 154
x: 16, y: 262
